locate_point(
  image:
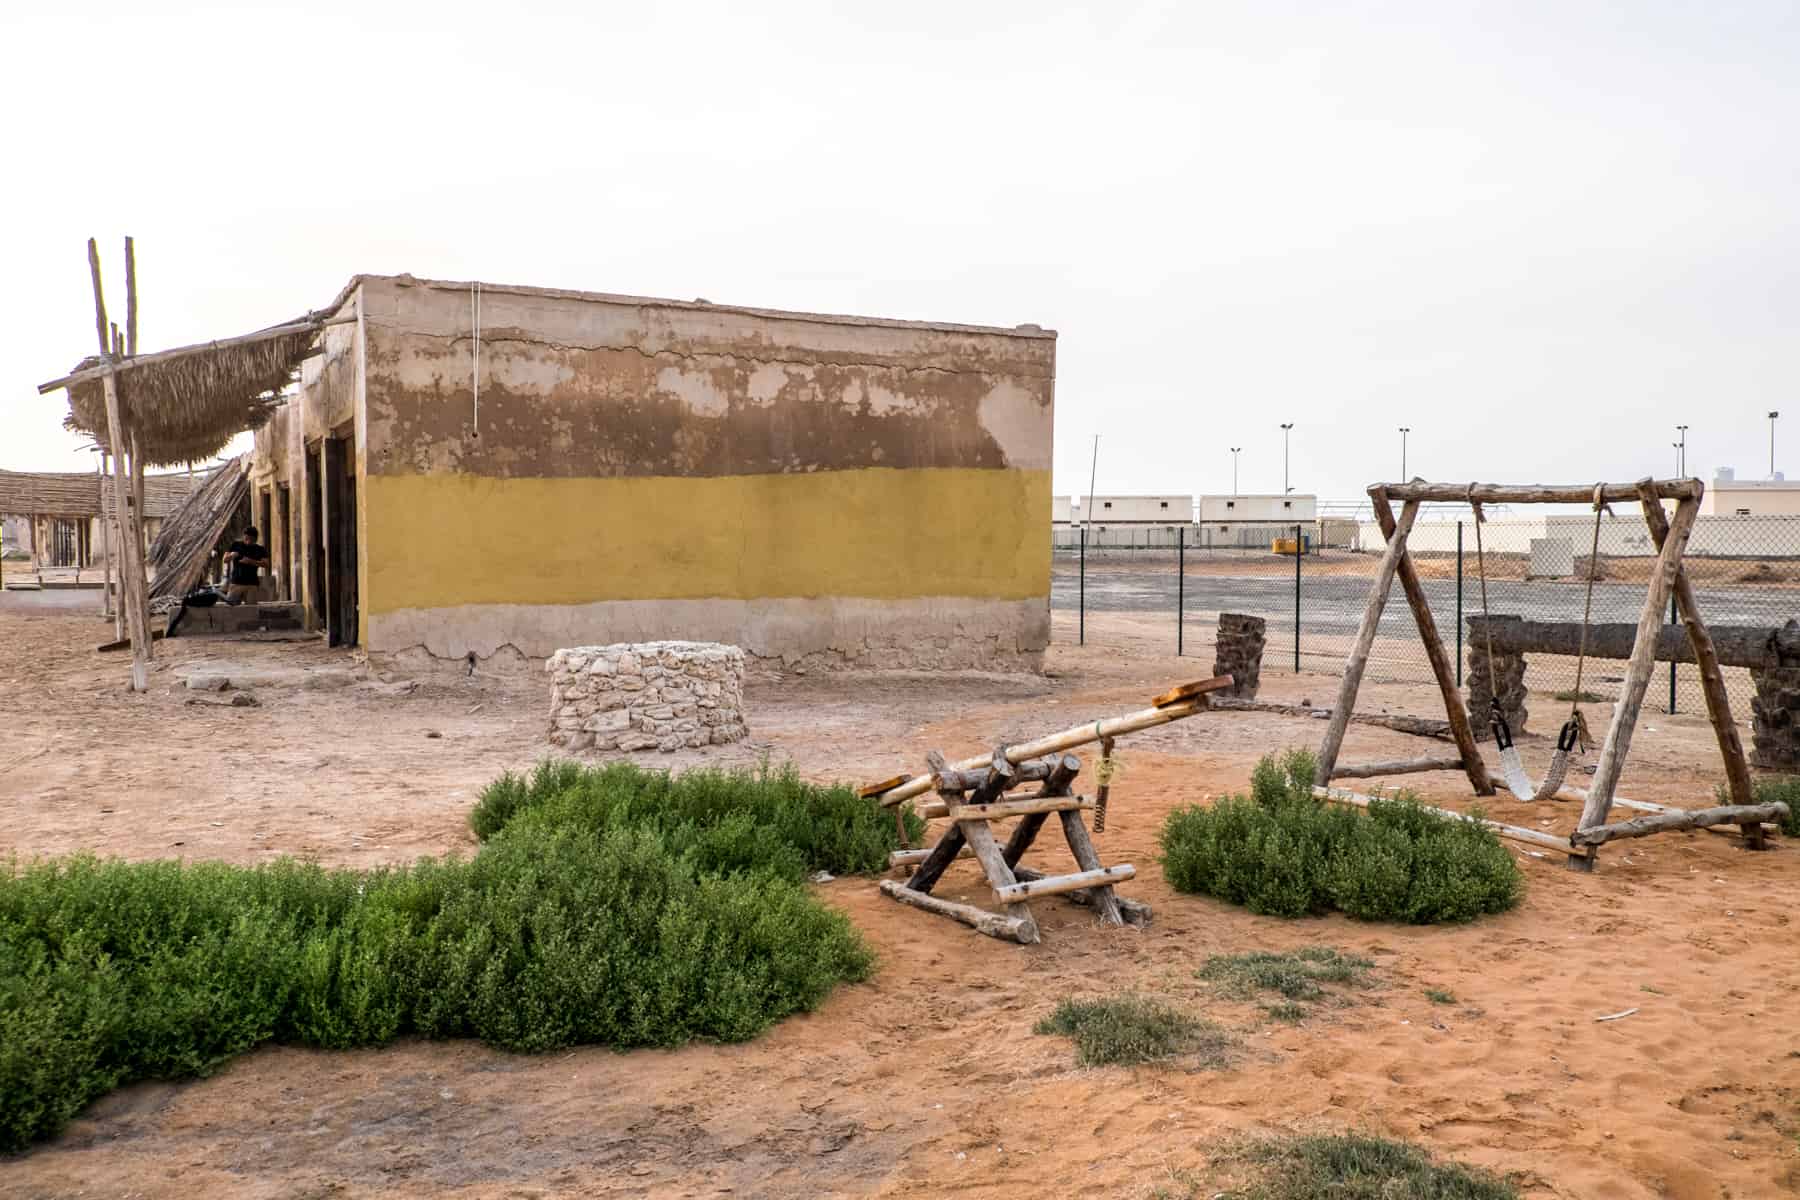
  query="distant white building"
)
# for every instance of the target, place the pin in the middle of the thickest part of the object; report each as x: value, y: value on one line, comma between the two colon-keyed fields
x: 1124, y: 510
x: 1729, y: 496
x: 1265, y: 508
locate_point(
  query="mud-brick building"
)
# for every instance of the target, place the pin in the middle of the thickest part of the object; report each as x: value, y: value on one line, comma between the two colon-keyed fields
x: 55, y: 516
x: 482, y: 470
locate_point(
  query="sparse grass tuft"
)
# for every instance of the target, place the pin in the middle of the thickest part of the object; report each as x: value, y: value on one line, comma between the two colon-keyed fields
x: 1568, y: 696
x: 1281, y: 852
x: 1295, y: 975
x: 1359, y: 1167
x: 1127, y: 1030
x: 1440, y: 996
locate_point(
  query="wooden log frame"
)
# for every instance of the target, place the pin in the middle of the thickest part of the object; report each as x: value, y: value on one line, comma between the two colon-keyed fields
x: 972, y: 796
x: 1401, y: 766
x: 1671, y: 537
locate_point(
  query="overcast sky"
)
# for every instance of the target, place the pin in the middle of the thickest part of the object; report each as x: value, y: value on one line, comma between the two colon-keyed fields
x: 1540, y: 235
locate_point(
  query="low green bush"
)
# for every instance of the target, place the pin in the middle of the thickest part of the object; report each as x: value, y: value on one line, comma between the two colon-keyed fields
x: 728, y: 820
x: 1771, y: 789
x: 589, y: 916
x: 1127, y: 1030
x: 1281, y: 852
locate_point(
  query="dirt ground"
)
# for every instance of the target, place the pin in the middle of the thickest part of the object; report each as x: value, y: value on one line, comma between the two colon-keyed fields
x: 928, y: 1080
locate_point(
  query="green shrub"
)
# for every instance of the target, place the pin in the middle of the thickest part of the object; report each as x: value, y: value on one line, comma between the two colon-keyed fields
x: 1771, y: 789
x: 727, y: 820
x: 1294, y: 974
x: 1352, y: 1166
x: 1127, y: 1030
x: 1281, y: 852
x: 612, y: 907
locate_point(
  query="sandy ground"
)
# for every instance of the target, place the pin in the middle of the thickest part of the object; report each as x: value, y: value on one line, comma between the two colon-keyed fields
x: 928, y: 1080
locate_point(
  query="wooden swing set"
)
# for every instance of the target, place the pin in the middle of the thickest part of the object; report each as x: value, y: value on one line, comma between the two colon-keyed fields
x: 1670, y: 535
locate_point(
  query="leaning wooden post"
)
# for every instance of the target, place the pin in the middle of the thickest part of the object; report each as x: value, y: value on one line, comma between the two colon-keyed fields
x: 1472, y: 763
x: 115, y: 428
x: 1637, y: 673
x: 1712, y: 680
x: 1365, y: 639
x: 106, y: 578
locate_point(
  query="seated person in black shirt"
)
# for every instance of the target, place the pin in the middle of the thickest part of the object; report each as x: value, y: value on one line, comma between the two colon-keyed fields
x: 242, y: 561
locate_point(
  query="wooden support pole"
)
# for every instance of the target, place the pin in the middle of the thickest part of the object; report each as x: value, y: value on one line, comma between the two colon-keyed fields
x: 1081, y: 881
x: 1011, y: 928
x: 1400, y: 766
x: 1637, y: 672
x: 1712, y: 680
x: 1106, y: 902
x: 132, y: 564
x: 1441, y: 667
x: 1135, y: 912
x: 1069, y: 739
x: 1679, y: 819
x: 1000, y: 876
x: 1416, y: 726
x: 1517, y: 833
x: 1358, y: 661
x: 909, y: 858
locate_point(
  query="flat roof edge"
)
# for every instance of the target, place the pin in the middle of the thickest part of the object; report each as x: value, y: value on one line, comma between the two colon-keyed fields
x: 1028, y: 330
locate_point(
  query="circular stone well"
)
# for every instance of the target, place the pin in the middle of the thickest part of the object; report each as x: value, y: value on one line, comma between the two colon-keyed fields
x: 646, y: 696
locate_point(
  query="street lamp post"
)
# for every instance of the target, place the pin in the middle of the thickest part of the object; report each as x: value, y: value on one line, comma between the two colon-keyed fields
x: 1404, y: 430
x: 1772, y: 417
x: 1681, y: 463
x: 1288, y: 427
x: 1234, y: 466
x: 1677, y: 446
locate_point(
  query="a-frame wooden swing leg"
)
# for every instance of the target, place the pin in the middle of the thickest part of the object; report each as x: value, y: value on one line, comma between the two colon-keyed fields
x: 1637, y: 675
x: 1358, y: 661
x: 1474, y: 766
x: 1712, y: 681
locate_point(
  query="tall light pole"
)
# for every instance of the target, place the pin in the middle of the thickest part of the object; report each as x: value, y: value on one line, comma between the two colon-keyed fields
x: 1093, y: 470
x: 1772, y: 417
x: 1404, y: 430
x: 1288, y: 427
x: 1677, y: 446
x: 1234, y: 462
x: 1681, y: 465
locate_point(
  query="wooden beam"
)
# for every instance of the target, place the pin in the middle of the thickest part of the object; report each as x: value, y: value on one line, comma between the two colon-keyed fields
x: 1081, y: 881
x: 1750, y: 646
x: 908, y: 858
x: 132, y: 567
x: 1668, y: 822
x: 1013, y: 929
x: 1537, y: 493
x: 1188, y: 691
x: 1399, y: 766
x: 1712, y: 679
x: 1000, y: 810
x: 1000, y: 876
x: 1135, y: 912
x: 1358, y: 661
x: 1637, y: 671
x: 1088, y: 859
x: 130, y: 298
x: 967, y: 781
x: 1068, y: 739
x: 1517, y: 833
x: 1442, y: 669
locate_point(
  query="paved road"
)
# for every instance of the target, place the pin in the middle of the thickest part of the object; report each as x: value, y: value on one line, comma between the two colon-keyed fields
x: 1333, y: 604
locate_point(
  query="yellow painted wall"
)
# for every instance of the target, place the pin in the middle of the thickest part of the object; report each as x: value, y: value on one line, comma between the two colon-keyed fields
x: 440, y: 540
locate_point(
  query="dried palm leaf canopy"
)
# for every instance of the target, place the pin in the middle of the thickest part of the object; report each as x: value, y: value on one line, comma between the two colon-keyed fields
x: 180, y: 553
x: 184, y: 405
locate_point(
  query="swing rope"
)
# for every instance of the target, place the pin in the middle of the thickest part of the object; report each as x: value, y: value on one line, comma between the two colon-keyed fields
x: 1574, y: 731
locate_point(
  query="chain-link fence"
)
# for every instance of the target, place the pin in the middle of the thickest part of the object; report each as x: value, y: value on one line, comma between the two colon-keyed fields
x: 1745, y: 571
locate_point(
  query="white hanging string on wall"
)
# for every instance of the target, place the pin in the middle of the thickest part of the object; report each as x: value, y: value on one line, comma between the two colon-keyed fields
x: 475, y: 368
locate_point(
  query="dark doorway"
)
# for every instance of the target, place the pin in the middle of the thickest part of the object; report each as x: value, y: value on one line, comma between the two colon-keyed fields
x: 315, y: 532
x: 265, y: 525
x: 340, y: 540
x: 284, y: 521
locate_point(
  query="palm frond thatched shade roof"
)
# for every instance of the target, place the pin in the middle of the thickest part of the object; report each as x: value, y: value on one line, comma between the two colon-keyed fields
x: 186, y: 404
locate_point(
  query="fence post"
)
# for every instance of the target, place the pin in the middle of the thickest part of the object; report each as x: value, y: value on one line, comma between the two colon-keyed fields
x: 1081, y: 593
x: 1180, y: 586
x: 1672, y: 619
x: 1298, y: 547
x: 1459, y: 619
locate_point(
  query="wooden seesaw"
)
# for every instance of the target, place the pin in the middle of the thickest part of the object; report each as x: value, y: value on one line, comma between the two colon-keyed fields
x: 973, y: 793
